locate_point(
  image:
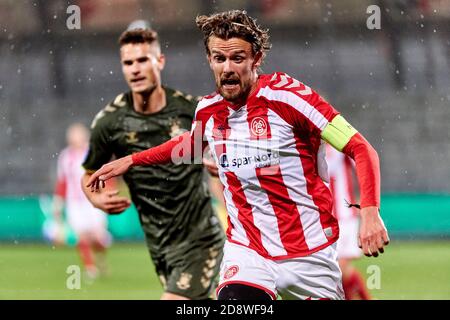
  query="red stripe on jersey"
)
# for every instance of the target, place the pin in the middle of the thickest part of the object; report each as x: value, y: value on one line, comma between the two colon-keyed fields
x: 321, y: 195
x: 61, y: 187
x: 245, y: 214
x: 221, y: 131
x: 288, y: 217
x: 230, y: 227
x: 258, y: 122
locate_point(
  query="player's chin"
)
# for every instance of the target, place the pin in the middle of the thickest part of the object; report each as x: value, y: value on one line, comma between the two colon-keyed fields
x: 144, y: 88
x: 230, y: 95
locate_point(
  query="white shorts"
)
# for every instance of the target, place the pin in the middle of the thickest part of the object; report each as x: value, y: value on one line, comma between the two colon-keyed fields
x: 83, y: 217
x: 347, y: 244
x: 316, y: 276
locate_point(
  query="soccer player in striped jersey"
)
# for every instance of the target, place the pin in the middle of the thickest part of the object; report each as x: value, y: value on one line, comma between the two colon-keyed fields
x: 88, y: 223
x: 267, y: 133
x: 340, y: 170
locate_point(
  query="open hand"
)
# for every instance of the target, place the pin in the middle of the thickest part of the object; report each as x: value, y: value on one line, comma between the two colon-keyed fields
x: 373, y: 235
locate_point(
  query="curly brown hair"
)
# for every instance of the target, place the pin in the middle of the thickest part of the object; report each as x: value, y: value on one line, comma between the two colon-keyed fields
x: 234, y: 24
x: 138, y: 36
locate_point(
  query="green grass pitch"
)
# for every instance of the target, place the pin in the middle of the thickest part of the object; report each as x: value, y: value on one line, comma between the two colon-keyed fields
x: 408, y: 270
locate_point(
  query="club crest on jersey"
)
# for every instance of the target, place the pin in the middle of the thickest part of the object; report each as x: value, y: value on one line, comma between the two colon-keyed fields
x: 258, y: 126
x: 231, y: 272
x: 131, y: 137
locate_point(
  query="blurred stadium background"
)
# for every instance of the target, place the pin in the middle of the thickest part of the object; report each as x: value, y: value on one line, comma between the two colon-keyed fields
x: 392, y: 84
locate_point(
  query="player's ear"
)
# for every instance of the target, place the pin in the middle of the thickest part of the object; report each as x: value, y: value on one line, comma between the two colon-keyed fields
x: 257, y: 60
x: 208, y: 57
x: 161, y: 61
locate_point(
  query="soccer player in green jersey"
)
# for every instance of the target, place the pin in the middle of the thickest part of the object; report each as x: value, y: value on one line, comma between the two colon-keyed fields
x: 183, y: 233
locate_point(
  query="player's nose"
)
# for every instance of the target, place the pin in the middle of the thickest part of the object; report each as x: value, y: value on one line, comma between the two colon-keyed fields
x: 135, y: 68
x: 227, y: 67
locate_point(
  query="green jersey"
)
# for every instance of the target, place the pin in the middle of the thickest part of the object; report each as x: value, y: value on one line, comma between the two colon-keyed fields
x: 173, y: 202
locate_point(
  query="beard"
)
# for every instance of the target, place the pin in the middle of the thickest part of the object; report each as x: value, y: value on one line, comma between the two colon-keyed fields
x: 235, y: 95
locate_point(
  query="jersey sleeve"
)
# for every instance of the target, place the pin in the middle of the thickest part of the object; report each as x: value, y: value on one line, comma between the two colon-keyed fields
x: 186, y: 148
x: 100, y: 151
x: 176, y: 150
x: 367, y: 169
x: 306, y: 110
x: 343, y: 137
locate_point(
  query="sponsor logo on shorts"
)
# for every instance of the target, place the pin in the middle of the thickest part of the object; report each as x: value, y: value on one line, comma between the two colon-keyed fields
x: 231, y: 272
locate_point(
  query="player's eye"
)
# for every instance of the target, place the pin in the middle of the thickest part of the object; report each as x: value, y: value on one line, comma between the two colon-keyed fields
x: 127, y: 62
x: 142, y: 60
x: 238, y: 59
x: 219, y: 58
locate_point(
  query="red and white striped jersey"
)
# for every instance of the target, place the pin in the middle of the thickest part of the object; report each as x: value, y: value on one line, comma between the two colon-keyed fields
x: 340, y: 169
x: 269, y: 152
x: 69, y: 174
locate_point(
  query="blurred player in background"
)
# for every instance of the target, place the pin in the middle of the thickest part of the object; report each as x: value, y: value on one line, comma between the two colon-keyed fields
x: 340, y: 170
x: 88, y: 223
x: 183, y: 233
x: 267, y: 134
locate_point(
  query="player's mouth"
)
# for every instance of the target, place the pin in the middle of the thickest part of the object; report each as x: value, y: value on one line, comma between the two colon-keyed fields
x: 137, y: 80
x: 230, y: 84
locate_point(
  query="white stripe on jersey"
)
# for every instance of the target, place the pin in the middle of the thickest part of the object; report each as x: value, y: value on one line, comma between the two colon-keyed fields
x: 207, y: 102
x: 70, y: 170
x: 284, y: 81
x: 294, y: 179
x: 264, y: 216
x: 237, y: 232
x: 296, y: 102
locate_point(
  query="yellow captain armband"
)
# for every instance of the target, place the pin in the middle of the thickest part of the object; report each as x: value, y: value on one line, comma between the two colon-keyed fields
x: 338, y: 132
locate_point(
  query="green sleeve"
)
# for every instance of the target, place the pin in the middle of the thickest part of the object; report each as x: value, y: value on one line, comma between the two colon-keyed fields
x: 100, y: 149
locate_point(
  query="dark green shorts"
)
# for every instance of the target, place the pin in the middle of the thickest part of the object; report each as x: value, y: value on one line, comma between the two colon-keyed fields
x: 191, y: 273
